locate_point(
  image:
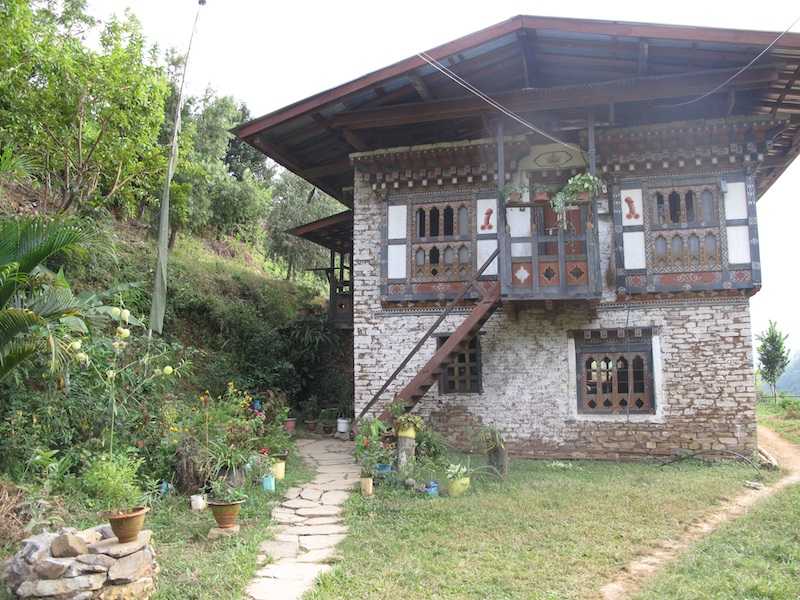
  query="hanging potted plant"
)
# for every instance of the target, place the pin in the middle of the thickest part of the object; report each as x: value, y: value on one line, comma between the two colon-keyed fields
x: 226, y: 502
x: 513, y: 194
x: 457, y: 479
x: 579, y: 189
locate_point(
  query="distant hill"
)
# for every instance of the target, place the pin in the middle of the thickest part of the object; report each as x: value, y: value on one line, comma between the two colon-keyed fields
x: 790, y: 380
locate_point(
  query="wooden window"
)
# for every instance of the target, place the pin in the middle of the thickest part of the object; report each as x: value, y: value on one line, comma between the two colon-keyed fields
x: 463, y: 375
x: 615, y: 373
x: 440, y: 245
x: 449, y: 221
x: 421, y: 223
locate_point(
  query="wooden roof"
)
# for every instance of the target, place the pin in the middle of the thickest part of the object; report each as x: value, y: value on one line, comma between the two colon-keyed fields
x: 334, y: 232
x: 550, y: 70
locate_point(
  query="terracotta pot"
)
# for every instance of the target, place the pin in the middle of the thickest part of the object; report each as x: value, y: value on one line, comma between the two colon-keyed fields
x: 328, y: 427
x: 289, y: 424
x: 582, y: 197
x: 515, y: 196
x: 541, y: 196
x: 311, y: 425
x: 127, y: 525
x: 366, y: 486
x: 225, y: 513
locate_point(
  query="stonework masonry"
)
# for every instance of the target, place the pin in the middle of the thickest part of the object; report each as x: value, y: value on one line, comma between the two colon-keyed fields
x: 706, y: 399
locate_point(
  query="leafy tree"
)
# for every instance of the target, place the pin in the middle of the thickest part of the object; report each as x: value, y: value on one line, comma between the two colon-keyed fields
x: 773, y: 356
x: 35, y: 313
x: 90, y: 118
x: 242, y: 157
x: 295, y: 202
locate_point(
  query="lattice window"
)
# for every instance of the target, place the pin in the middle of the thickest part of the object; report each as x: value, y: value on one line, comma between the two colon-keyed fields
x: 684, y: 229
x: 463, y: 375
x: 442, y: 242
x: 614, y: 372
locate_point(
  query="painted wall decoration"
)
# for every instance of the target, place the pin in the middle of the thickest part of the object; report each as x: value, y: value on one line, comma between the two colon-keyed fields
x: 632, y: 209
x: 487, y: 216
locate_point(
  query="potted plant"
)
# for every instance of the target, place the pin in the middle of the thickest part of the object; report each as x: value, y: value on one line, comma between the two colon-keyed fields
x: 457, y: 479
x: 407, y: 425
x: 310, y: 412
x: 290, y: 423
x: 579, y: 189
x: 226, y: 502
x: 368, y: 462
x: 542, y: 193
x: 261, y: 472
x: 513, y: 194
x: 228, y: 460
x: 110, y: 482
x: 495, y: 447
x: 327, y: 420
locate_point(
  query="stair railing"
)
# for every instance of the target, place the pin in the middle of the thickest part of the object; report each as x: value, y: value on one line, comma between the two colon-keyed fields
x: 447, y: 310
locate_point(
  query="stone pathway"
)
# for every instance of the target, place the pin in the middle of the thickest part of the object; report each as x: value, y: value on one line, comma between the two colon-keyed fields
x: 307, y: 524
x: 634, y: 575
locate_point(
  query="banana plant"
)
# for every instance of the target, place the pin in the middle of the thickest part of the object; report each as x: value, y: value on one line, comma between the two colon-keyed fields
x: 37, y: 311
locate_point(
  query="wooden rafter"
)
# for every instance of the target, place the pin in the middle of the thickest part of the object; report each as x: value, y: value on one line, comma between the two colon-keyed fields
x: 787, y: 88
x: 420, y: 86
x: 540, y: 99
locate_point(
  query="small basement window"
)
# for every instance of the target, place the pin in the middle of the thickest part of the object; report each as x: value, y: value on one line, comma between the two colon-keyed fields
x: 615, y: 371
x: 463, y: 375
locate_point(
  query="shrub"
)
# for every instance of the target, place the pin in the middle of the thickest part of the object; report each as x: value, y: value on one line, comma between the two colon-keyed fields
x: 111, y: 482
x: 431, y: 445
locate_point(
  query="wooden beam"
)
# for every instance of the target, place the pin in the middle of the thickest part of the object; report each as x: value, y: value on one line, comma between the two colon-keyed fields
x: 555, y: 98
x: 333, y: 168
x: 644, y: 50
x: 420, y: 86
x: 347, y: 137
x: 527, y: 47
x: 787, y: 88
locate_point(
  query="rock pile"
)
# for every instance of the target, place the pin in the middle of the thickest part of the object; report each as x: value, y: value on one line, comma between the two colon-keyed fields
x: 82, y: 565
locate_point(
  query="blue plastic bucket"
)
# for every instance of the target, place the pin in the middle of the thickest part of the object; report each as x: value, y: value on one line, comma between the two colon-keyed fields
x: 432, y: 489
x: 268, y: 483
x: 383, y: 469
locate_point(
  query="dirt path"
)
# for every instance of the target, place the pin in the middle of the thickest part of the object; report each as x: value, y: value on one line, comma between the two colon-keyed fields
x: 635, y: 574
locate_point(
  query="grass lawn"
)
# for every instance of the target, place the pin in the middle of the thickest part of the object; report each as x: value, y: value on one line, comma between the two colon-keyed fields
x: 756, y: 557
x: 554, y: 530
x: 193, y: 568
x: 774, y: 417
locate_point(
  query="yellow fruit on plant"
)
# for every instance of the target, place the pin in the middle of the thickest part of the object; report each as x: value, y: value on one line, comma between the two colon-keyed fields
x: 116, y: 312
x: 75, y: 346
x: 125, y: 315
x: 167, y: 370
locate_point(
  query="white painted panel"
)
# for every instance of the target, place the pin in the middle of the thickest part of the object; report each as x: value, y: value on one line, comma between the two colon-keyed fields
x: 738, y: 245
x: 736, y: 202
x: 521, y: 249
x: 397, y: 221
x: 397, y: 261
x: 519, y: 221
x: 485, y: 249
x: 632, y: 209
x: 633, y: 245
x: 487, y: 216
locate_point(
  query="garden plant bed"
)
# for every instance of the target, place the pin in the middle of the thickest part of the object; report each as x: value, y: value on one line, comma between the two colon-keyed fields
x: 552, y: 530
x: 192, y: 566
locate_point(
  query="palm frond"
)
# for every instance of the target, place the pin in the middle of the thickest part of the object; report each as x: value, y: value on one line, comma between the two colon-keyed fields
x: 53, y: 303
x: 17, y: 353
x: 31, y: 241
x: 16, y: 321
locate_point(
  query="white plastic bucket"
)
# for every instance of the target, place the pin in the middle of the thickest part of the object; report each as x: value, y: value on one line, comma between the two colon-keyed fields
x: 343, y: 425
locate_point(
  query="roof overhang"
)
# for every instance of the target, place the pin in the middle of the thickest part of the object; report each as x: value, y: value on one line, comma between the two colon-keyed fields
x: 334, y: 232
x: 551, y: 70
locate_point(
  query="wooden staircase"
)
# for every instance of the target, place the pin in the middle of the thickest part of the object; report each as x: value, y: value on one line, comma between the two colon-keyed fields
x: 456, y: 344
x: 411, y: 394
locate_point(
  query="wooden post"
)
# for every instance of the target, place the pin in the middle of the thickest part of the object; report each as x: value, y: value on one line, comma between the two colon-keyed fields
x: 406, y: 447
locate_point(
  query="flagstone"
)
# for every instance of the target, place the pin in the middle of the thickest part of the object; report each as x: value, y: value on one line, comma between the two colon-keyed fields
x: 323, y: 555
x: 300, y: 503
x: 317, y: 542
x: 271, y: 589
x: 316, y: 529
x: 322, y: 521
x: 319, y: 511
x: 292, y: 492
x: 277, y: 549
x: 310, y: 493
x: 335, y: 498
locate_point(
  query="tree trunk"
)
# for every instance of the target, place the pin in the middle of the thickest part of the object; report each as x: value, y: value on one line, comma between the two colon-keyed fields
x: 498, y: 458
x: 173, y: 235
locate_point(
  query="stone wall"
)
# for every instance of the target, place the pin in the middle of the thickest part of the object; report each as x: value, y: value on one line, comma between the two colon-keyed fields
x: 707, y: 395
x: 82, y: 565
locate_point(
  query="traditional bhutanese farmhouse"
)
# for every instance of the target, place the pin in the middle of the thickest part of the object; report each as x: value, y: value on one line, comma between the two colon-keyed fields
x: 482, y: 287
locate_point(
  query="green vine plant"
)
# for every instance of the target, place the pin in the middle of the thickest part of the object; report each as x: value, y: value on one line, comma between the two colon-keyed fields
x: 580, y: 188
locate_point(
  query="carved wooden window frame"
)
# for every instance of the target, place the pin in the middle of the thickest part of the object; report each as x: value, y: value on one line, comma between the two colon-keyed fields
x: 441, y: 257
x: 684, y: 246
x: 464, y: 374
x: 606, y: 372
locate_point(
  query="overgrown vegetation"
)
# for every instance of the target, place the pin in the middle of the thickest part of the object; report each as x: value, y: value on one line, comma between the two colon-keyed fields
x: 782, y: 417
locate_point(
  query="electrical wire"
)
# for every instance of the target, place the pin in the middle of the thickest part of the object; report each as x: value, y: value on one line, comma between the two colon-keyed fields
x: 735, y: 75
x: 490, y: 101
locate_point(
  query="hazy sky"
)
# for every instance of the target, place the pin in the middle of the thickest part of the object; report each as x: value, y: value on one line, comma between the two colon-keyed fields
x: 272, y: 53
